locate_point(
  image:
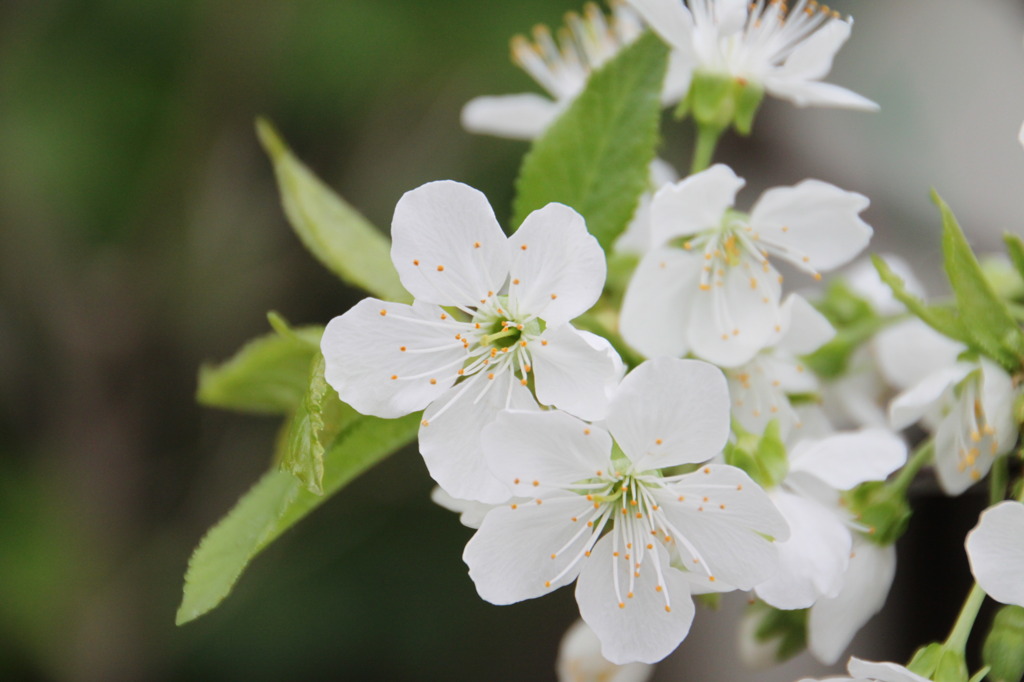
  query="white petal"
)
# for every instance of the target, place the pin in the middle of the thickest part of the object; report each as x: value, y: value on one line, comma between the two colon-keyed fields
x: 571, y: 374
x: 730, y: 15
x: 864, y: 280
x: 520, y: 117
x: 670, y: 19
x: 532, y: 452
x: 883, y: 672
x: 509, y: 558
x: 758, y: 391
x: 812, y: 220
x: 807, y: 331
x: 812, y: 58
x: 846, y: 460
x: 1020, y: 135
x: 559, y: 266
x: 451, y: 441
x: 669, y: 411
x: 580, y: 660
x: 995, y: 548
x: 447, y: 245
x: 951, y: 439
x: 677, y: 79
x: 655, y: 310
x: 910, y: 350
x: 738, y: 316
x: 833, y: 621
x: 915, y: 402
x: 812, y: 561
x: 694, y: 204
x: 729, y: 542
x: 856, y: 398
x: 997, y: 398
x: 805, y: 93
x: 373, y: 349
x: 471, y: 513
x: 642, y: 630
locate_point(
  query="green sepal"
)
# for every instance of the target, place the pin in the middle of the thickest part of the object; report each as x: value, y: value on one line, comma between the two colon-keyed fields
x: 711, y: 600
x: 335, y: 233
x: 718, y: 101
x: 787, y: 630
x: 763, y: 458
x: 1003, y: 651
x: 980, y: 675
x: 318, y: 419
x: 595, y: 157
x: 939, y: 663
x: 882, y: 508
x: 268, y: 375
x: 982, y: 314
x: 275, y: 504
x: 942, y: 319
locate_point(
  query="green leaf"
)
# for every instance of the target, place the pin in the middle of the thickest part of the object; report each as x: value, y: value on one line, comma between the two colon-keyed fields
x: 269, y: 375
x: 319, y: 418
x: 276, y: 503
x: 338, y: 235
x: 1015, y: 247
x: 983, y: 315
x: 595, y: 157
x: 942, y: 319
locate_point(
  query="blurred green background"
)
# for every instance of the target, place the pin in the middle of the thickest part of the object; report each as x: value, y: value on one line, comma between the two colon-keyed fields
x: 140, y: 234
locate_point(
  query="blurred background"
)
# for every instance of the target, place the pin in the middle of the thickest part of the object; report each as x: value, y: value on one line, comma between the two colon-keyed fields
x: 140, y: 234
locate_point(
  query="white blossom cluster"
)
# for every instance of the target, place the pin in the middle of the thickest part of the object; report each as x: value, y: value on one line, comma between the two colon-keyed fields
x: 627, y: 483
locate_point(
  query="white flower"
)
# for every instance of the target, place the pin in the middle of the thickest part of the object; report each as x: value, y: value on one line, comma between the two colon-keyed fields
x: 787, y: 52
x: 562, y: 68
x: 580, y: 660
x: 491, y: 313
x: 634, y: 536
x: 815, y: 558
x: 719, y: 296
x: 995, y: 548
x: 834, y: 620
x: 969, y: 406
x: 760, y: 388
x: 870, y: 671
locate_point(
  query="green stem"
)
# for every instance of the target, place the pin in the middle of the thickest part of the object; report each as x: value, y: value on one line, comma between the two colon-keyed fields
x: 961, y: 631
x: 704, y: 147
x: 998, y: 480
x: 921, y: 457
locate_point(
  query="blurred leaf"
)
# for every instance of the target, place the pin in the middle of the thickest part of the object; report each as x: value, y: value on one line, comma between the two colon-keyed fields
x: 942, y: 319
x: 983, y: 315
x: 276, y: 503
x: 1015, y: 247
x: 269, y: 375
x: 318, y: 419
x: 595, y: 157
x: 340, y: 238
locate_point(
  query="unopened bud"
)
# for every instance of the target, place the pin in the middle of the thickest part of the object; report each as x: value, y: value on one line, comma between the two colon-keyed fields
x: 1003, y: 651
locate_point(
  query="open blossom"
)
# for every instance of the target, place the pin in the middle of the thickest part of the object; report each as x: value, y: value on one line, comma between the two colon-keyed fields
x: 995, y: 548
x: 604, y: 511
x: 870, y: 671
x: 561, y: 67
x: 719, y: 295
x: 785, y: 51
x: 815, y: 558
x: 969, y: 407
x: 490, y: 321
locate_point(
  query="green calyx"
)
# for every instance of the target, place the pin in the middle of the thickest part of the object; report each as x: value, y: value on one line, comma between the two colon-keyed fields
x: 784, y: 631
x: 940, y: 663
x: 763, y: 457
x: 718, y: 101
x: 882, y: 508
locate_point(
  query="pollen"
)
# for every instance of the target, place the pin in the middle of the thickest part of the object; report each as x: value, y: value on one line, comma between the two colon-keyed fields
x: 536, y: 483
x: 433, y: 382
x: 707, y: 470
x: 523, y: 247
x: 650, y: 546
x: 711, y: 578
x: 444, y: 316
x: 543, y: 342
x: 682, y: 498
x: 523, y: 382
x: 425, y: 423
x: 461, y: 372
x: 516, y: 482
x: 705, y: 287
x: 586, y: 432
x: 394, y: 377
x: 440, y: 268
x: 491, y: 376
x: 629, y: 595
x: 668, y: 609
x: 554, y: 296
x: 515, y: 281
x: 817, y: 277
x: 383, y: 312
x: 622, y: 605
x: 539, y: 501
x: 739, y: 486
x: 658, y: 588
x: 476, y: 245
x: 415, y: 262
x: 515, y: 506
x: 721, y: 506
x: 657, y: 441
x: 553, y: 556
x: 547, y: 583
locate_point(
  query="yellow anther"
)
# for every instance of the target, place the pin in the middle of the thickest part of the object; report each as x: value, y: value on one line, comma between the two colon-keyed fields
x: 440, y: 268
x: 383, y: 313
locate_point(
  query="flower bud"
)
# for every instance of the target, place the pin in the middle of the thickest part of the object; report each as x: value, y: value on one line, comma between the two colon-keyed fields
x: 1003, y: 650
